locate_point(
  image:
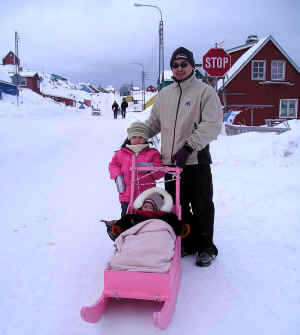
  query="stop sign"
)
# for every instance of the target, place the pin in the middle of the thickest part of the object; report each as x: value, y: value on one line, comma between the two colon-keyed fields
x: 216, y: 62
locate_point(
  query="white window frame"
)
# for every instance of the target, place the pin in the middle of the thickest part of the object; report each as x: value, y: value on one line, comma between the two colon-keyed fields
x: 275, y: 73
x: 253, y: 77
x: 288, y: 115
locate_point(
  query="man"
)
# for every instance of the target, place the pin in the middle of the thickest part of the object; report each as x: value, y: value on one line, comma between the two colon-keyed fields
x: 124, y: 105
x: 189, y: 116
x: 115, y: 108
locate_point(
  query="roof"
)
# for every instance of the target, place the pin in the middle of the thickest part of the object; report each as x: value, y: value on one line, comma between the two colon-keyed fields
x: 28, y: 73
x: 247, y: 56
x: 4, y: 75
x: 57, y: 76
x: 241, y: 47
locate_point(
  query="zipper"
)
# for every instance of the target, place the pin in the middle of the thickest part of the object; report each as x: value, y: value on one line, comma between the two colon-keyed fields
x: 176, y: 119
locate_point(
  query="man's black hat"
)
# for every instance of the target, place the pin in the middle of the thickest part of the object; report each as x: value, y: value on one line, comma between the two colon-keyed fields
x: 183, y: 53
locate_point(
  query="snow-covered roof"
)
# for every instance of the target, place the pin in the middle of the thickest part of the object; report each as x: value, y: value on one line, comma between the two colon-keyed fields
x: 241, y: 47
x: 4, y: 75
x: 28, y: 73
x: 247, y: 56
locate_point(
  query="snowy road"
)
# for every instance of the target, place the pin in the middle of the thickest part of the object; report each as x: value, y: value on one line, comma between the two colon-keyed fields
x: 54, y: 189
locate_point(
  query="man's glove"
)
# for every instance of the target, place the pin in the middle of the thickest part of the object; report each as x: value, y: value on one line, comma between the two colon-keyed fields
x: 182, y: 155
x: 120, y: 183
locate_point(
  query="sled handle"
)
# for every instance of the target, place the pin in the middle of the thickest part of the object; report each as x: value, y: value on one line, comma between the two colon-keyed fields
x: 165, y: 169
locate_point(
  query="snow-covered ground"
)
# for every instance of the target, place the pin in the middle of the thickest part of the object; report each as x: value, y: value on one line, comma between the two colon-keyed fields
x: 54, y: 188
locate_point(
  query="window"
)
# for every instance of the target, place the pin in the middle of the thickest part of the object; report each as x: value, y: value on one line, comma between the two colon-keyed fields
x: 258, y: 70
x: 278, y: 70
x: 23, y: 81
x: 288, y: 108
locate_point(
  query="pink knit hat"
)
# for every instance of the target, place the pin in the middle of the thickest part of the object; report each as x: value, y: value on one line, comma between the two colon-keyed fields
x: 155, y: 200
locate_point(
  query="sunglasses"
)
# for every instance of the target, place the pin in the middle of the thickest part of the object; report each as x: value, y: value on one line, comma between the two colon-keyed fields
x: 183, y: 65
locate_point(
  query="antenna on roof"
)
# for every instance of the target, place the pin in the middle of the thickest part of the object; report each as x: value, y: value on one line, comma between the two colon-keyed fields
x: 218, y: 44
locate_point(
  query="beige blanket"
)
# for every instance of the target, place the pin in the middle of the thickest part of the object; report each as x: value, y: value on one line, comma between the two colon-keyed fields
x: 147, y: 247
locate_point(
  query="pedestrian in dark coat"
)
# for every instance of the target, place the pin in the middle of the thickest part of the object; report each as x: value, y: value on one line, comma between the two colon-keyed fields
x: 115, y: 108
x: 124, y: 105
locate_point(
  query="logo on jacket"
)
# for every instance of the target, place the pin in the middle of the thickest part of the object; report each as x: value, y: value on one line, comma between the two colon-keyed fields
x: 188, y: 103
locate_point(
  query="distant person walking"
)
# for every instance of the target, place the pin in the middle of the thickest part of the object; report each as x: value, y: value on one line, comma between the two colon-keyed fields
x: 115, y: 108
x: 124, y: 105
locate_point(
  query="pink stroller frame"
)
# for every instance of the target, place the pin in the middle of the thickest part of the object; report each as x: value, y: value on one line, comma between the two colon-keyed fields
x: 143, y: 285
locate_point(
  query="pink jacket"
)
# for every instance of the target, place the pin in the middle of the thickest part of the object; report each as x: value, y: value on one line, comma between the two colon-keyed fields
x: 121, y: 163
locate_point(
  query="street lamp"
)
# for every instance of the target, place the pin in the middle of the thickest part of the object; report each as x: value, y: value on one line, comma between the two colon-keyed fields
x: 161, y: 43
x: 143, y: 84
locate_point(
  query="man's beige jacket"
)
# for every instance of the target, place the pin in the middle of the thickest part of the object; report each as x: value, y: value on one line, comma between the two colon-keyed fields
x: 187, y: 112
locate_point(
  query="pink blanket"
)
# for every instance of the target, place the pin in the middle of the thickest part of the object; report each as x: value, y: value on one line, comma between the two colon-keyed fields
x: 148, y: 247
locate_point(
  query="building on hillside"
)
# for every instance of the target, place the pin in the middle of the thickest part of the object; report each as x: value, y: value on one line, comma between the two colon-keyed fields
x: 262, y: 83
x: 67, y: 101
x: 8, y: 88
x: 110, y: 89
x: 125, y: 90
x: 101, y: 89
x: 151, y: 88
x: 30, y: 80
x: 56, y: 77
x: 6, y: 85
x: 92, y: 88
x: 87, y: 102
x: 86, y: 89
x: 11, y: 58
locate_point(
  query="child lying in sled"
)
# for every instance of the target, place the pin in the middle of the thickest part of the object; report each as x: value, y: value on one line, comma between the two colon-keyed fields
x: 144, y: 241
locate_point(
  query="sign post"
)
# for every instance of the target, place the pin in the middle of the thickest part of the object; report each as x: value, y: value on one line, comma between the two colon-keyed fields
x: 216, y: 62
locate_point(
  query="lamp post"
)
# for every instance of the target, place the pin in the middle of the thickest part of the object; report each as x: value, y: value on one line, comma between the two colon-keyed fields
x: 143, y: 84
x: 161, y: 44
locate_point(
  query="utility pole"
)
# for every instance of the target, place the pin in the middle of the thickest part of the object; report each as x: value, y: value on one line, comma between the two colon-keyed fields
x: 161, y: 69
x: 17, y: 64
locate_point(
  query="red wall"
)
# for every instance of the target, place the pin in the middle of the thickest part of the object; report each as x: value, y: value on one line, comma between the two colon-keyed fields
x: 33, y: 83
x: 87, y: 102
x: 235, y: 55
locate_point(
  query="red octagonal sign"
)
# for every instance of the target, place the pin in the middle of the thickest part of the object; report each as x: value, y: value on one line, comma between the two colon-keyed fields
x: 216, y: 62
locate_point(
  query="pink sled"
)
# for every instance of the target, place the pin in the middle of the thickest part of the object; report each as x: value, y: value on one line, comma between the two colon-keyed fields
x: 140, y: 285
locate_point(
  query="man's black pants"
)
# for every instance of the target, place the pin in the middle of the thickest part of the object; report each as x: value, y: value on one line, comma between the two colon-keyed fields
x: 196, y: 198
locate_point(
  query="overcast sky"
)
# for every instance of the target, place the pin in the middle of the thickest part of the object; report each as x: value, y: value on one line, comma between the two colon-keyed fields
x: 95, y: 41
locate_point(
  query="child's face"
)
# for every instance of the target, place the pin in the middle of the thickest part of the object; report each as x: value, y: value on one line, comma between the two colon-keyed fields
x: 147, y: 207
x: 137, y: 140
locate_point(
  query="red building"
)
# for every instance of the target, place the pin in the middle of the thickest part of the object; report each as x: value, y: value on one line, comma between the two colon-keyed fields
x: 66, y: 101
x: 87, y: 102
x: 31, y: 80
x: 262, y: 83
x: 151, y: 88
x: 93, y: 89
x: 11, y: 58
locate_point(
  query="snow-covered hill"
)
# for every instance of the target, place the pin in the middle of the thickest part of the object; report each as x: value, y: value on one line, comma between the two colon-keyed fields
x: 55, y: 187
